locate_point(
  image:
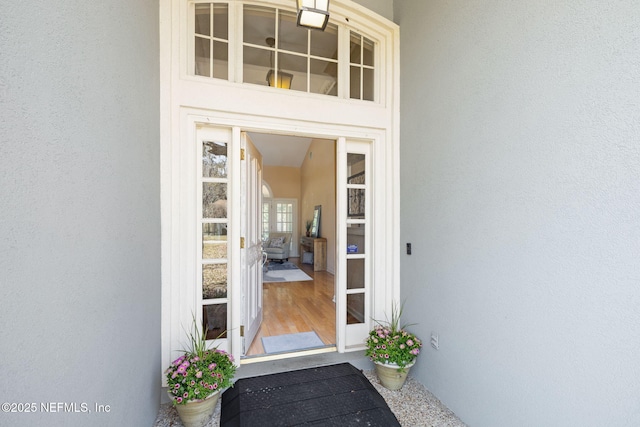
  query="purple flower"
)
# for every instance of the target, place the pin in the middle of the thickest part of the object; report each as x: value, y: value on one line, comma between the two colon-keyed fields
x: 199, y: 374
x: 185, y: 395
x: 179, y: 399
x: 176, y: 386
x: 409, y: 342
x: 212, y: 366
x: 402, y: 346
x: 215, y: 385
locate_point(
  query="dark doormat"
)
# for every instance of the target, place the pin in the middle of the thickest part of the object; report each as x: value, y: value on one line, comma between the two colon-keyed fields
x: 336, y: 395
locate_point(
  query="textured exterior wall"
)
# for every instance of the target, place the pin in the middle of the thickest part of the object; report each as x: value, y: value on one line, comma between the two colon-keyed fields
x: 381, y: 7
x: 80, y: 211
x: 520, y: 160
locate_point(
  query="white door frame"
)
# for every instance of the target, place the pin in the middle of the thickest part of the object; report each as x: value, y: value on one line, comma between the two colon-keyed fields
x: 384, y: 231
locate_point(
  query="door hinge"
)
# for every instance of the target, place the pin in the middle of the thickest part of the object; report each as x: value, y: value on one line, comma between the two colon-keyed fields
x: 241, y: 330
x: 242, y: 154
x: 242, y: 243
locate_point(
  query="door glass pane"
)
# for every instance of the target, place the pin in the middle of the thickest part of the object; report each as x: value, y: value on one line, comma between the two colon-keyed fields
x: 214, y: 320
x: 355, y: 239
x: 356, y: 203
x: 214, y: 200
x: 355, y: 308
x: 290, y: 36
x: 355, y: 273
x: 214, y: 159
x: 214, y: 241
x: 214, y: 281
x: 356, y: 168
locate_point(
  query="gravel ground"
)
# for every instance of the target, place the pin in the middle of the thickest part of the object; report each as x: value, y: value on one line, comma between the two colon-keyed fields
x: 413, y: 405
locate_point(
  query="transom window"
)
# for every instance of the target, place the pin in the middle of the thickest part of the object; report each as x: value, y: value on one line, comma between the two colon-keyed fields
x: 278, y: 53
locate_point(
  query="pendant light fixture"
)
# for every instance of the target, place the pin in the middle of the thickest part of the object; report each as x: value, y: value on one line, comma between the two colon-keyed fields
x: 282, y: 80
x: 313, y: 14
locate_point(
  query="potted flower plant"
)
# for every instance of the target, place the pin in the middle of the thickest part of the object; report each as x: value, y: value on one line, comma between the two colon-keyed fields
x: 393, y: 350
x: 196, y: 378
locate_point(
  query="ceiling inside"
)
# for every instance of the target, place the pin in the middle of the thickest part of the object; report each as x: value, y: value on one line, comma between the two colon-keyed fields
x: 281, y: 150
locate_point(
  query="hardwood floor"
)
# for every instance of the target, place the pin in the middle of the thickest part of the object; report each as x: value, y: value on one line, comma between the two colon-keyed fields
x: 292, y: 307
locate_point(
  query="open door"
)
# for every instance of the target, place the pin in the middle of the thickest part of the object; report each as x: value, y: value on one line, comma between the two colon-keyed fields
x: 251, y: 240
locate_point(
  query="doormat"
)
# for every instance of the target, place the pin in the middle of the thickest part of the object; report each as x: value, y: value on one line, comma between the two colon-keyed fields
x: 291, y: 342
x: 336, y: 395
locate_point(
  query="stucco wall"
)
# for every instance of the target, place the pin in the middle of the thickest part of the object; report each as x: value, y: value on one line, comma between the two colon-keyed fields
x: 381, y: 7
x: 520, y: 163
x: 80, y: 211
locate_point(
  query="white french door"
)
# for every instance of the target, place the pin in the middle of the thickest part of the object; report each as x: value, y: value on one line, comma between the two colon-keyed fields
x: 354, y: 248
x: 251, y: 240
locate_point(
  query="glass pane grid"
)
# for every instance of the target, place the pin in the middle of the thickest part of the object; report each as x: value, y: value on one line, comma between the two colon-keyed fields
x: 318, y: 50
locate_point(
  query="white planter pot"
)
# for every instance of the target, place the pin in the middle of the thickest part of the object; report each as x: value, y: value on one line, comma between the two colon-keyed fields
x: 197, y: 413
x: 391, y: 376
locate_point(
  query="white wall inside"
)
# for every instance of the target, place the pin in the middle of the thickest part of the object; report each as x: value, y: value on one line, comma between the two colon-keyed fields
x: 80, y: 215
x: 520, y: 162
